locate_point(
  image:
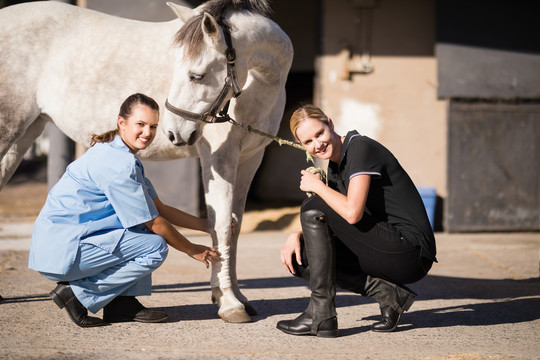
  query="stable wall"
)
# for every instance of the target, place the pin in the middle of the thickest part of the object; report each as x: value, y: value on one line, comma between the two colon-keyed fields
x: 397, y: 102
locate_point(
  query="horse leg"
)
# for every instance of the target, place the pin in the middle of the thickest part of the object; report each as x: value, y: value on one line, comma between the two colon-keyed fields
x: 246, y: 172
x: 14, y: 154
x: 219, y: 174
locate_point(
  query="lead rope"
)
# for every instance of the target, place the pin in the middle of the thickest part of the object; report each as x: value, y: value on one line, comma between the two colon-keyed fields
x: 281, y: 141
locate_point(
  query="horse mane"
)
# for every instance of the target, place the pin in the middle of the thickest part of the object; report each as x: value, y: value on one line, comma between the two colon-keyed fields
x: 191, y: 35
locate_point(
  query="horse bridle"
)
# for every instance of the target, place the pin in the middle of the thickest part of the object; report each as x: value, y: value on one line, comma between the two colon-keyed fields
x: 231, y: 82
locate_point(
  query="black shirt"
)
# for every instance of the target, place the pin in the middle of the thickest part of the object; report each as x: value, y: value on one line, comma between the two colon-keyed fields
x: 392, y: 196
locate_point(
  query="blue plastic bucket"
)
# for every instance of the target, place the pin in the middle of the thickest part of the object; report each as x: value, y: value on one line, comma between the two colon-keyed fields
x: 429, y: 198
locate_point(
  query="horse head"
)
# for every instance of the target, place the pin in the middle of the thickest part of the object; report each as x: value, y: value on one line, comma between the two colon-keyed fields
x: 206, y: 76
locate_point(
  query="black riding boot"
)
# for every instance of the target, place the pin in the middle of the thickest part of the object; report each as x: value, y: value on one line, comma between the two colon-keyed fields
x: 344, y: 279
x: 320, y: 316
x: 393, y: 301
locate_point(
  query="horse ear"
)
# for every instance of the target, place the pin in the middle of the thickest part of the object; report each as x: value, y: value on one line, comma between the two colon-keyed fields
x: 211, y: 29
x: 183, y: 12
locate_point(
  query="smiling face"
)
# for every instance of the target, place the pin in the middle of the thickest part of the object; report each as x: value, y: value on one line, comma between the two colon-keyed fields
x: 319, y: 139
x: 139, y: 128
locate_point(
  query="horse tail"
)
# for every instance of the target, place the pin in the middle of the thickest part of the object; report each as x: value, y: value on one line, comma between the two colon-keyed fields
x: 102, y: 138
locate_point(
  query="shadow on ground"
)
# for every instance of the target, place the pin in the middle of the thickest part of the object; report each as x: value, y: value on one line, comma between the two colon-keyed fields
x: 508, y: 301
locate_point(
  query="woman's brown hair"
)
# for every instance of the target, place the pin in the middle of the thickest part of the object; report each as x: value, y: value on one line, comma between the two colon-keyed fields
x: 306, y: 112
x: 125, y: 111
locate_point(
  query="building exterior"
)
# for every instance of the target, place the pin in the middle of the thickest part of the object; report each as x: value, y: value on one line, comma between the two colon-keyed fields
x: 452, y: 88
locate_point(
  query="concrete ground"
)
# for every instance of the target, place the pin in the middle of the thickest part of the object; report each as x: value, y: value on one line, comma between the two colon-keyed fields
x: 481, y: 301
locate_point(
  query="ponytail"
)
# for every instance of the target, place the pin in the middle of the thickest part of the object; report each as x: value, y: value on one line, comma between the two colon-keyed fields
x: 103, y: 138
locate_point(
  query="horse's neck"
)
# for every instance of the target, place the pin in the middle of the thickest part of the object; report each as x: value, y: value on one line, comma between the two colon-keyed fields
x: 268, y: 55
x: 265, y: 46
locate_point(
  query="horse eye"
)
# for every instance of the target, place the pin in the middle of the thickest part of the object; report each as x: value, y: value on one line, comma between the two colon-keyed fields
x: 196, y: 77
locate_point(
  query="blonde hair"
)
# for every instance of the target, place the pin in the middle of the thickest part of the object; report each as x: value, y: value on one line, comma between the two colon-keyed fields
x: 125, y: 111
x: 306, y: 112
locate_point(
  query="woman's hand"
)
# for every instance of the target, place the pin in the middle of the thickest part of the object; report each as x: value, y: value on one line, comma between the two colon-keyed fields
x: 310, y: 182
x: 290, y: 249
x: 204, y: 254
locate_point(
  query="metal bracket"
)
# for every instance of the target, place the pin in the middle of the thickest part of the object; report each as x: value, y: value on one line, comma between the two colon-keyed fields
x: 359, y: 63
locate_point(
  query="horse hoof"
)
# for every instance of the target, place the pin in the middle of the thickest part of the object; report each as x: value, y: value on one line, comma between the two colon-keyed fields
x: 236, y: 316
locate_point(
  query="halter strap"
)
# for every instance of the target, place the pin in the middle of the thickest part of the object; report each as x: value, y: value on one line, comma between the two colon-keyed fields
x: 230, y: 55
x: 231, y: 82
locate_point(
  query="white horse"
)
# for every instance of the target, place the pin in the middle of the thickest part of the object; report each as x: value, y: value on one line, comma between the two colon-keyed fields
x: 75, y: 66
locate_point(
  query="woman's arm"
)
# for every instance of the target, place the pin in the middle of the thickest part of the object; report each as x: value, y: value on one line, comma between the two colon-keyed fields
x: 166, y: 230
x: 180, y: 218
x: 350, y: 207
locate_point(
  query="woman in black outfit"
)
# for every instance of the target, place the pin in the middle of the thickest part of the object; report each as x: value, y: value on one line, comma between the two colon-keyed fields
x: 366, y: 230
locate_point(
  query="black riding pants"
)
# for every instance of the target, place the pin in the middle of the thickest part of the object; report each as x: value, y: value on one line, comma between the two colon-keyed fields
x: 372, y: 247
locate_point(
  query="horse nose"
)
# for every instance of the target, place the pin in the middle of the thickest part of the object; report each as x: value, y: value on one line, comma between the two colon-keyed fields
x: 192, y: 138
x: 172, y: 138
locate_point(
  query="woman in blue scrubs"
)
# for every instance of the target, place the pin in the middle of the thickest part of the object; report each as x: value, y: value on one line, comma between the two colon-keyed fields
x: 103, y: 230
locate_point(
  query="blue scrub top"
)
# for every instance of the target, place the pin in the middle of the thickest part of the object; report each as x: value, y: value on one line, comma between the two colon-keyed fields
x: 101, y: 194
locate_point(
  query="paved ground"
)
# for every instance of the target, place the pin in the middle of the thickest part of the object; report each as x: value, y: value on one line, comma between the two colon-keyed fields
x: 482, y: 301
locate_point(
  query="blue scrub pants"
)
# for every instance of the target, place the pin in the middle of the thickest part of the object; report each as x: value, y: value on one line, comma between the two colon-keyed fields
x: 98, y: 276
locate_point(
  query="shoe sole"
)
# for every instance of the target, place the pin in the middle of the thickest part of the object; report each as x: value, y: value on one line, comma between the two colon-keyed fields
x: 116, y: 319
x: 323, y: 333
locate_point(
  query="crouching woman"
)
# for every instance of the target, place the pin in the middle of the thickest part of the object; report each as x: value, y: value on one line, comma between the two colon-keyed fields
x: 103, y: 230
x: 366, y: 230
